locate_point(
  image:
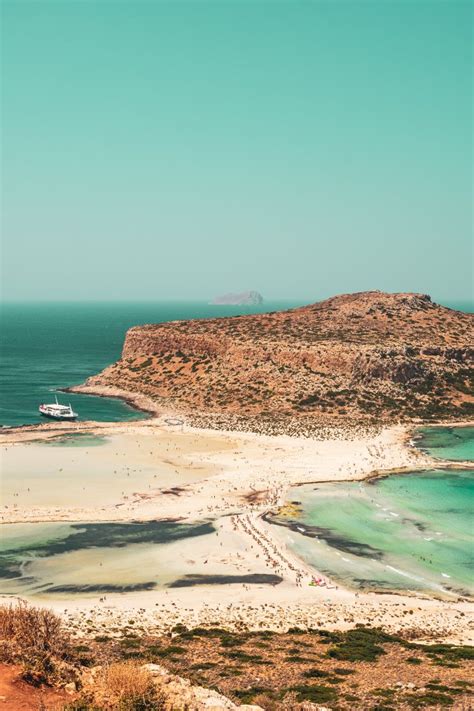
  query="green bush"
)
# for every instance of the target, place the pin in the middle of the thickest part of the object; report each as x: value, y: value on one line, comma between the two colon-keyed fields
x: 361, y: 644
x: 315, y: 693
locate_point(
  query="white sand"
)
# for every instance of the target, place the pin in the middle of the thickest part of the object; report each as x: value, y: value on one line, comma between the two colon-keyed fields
x: 217, y: 471
x: 130, y: 476
x: 45, y: 482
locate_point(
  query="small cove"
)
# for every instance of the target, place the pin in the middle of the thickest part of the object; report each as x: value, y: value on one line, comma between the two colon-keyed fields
x: 49, y: 346
x: 401, y: 532
x: 455, y: 443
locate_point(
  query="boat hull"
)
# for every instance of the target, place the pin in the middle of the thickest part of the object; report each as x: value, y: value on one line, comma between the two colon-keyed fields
x: 64, y: 418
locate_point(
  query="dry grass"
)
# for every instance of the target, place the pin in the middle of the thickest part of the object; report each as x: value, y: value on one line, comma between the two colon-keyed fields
x: 123, y: 686
x: 125, y: 680
x: 35, y: 639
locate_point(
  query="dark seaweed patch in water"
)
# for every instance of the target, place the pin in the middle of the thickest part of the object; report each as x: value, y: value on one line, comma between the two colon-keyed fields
x: 420, y: 526
x: 9, y: 568
x: 100, y: 535
x: 104, y: 588
x: 371, y: 584
x: 454, y: 510
x: 346, y: 545
x: 255, y: 579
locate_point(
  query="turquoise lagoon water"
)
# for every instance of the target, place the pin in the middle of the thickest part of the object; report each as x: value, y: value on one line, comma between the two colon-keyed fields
x: 401, y: 532
x: 411, y: 531
x: 47, y: 560
x: 456, y: 443
x: 88, y: 558
x: 49, y: 346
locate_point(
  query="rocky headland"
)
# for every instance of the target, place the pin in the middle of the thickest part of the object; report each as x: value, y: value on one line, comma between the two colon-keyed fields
x: 372, y: 356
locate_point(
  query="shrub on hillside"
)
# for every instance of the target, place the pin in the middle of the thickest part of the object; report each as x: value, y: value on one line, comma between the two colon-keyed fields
x: 122, y: 686
x: 34, y: 638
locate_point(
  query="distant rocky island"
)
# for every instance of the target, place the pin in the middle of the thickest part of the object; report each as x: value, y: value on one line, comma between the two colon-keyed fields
x: 245, y: 298
x: 369, y: 356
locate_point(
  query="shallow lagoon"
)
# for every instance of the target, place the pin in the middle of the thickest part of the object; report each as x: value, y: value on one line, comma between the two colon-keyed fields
x: 90, y: 557
x: 86, y: 471
x: 74, y: 439
x: 456, y: 443
x: 396, y: 533
x: 63, y: 560
x: 412, y: 531
x: 401, y: 532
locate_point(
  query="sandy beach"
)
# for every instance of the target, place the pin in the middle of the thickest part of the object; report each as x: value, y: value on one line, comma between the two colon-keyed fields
x: 131, y: 474
x: 164, y: 469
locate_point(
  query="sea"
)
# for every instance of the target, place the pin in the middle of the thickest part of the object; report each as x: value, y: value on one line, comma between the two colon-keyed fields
x: 49, y: 346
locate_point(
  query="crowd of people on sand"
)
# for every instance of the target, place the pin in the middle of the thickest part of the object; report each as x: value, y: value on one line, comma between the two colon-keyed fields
x: 274, y: 557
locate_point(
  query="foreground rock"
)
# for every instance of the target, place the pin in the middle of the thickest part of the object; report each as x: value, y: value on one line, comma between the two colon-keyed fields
x: 180, y: 693
x: 175, y: 693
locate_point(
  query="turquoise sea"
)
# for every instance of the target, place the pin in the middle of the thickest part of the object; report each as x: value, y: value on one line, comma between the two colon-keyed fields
x: 413, y: 531
x: 455, y: 443
x: 49, y: 346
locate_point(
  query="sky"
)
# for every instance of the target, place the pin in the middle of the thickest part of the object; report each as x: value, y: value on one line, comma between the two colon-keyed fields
x: 180, y: 150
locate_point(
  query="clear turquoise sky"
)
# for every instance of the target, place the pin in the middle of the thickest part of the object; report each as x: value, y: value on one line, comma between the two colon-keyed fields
x: 183, y: 149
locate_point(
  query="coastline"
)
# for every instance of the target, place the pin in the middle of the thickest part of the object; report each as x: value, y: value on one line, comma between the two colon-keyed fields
x: 148, y: 405
x: 136, y: 400
x: 245, y: 476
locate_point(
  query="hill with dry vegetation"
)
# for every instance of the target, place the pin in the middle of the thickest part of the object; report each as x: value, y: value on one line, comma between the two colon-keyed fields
x: 47, y: 664
x: 369, y: 356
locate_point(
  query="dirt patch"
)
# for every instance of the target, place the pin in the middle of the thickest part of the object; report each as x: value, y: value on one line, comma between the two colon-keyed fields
x: 17, y: 695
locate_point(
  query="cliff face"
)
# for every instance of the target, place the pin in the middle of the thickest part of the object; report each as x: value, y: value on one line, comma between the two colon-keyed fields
x: 369, y: 355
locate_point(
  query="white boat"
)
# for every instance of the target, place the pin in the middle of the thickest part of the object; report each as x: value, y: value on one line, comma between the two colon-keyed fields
x: 57, y: 411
